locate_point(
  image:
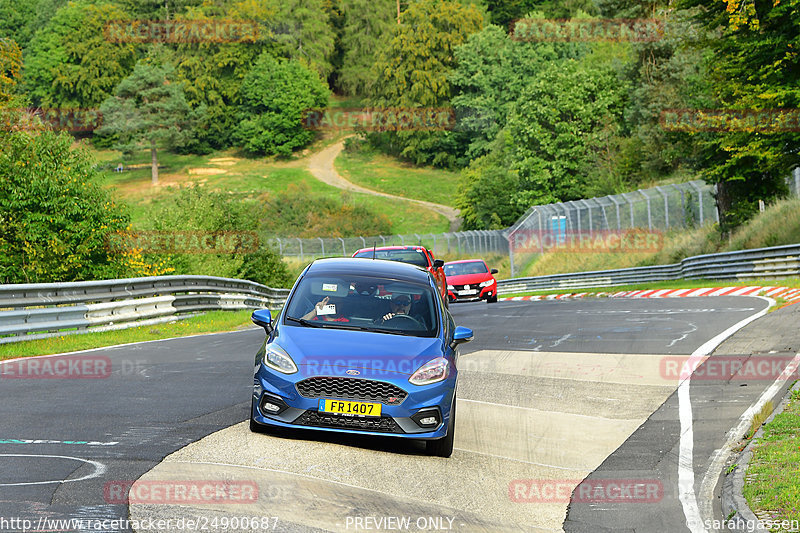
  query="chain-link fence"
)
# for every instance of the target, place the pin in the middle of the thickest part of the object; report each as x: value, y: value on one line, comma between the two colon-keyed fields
x: 608, y: 223
x: 443, y: 244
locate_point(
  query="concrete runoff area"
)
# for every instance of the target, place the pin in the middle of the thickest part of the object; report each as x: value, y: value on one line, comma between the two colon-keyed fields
x: 327, y: 481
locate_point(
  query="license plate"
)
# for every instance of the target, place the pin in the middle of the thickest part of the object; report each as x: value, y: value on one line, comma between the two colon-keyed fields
x: 342, y: 407
x: 466, y: 293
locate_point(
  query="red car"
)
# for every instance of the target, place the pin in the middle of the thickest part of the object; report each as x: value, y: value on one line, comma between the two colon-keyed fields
x: 470, y: 279
x: 416, y: 255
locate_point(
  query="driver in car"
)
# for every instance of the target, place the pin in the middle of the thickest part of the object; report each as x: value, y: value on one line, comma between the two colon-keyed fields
x: 400, y: 305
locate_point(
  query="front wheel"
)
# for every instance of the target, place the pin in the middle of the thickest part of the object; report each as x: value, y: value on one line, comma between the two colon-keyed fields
x: 444, y: 446
x: 492, y: 299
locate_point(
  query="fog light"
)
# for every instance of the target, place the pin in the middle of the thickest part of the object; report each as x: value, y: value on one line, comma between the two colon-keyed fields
x: 270, y: 407
x: 427, y: 418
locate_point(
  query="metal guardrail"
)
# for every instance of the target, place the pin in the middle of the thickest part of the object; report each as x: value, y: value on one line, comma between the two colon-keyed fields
x: 29, y: 311
x: 762, y: 263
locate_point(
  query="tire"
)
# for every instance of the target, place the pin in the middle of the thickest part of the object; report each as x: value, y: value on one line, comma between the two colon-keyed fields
x: 492, y: 300
x: 444, y: 447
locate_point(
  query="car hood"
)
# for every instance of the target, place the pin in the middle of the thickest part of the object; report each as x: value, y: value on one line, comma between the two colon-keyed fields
x: 334, y: 352
x: 470, y: 279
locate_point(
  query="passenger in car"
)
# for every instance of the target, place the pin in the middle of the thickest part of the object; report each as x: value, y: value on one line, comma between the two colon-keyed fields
x: 328, y: 309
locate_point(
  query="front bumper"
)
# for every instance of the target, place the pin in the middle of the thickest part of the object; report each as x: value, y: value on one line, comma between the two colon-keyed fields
x: 483, y: 294
x: 300, y: 412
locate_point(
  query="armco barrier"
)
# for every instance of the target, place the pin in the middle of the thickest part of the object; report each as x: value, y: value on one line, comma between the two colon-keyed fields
x: 762, y: 263
x: 29, y: 311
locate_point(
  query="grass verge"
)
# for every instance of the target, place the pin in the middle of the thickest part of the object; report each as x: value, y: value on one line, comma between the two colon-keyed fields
x: 387, y: 174
x: 211, y: 322
x: 772, y: 483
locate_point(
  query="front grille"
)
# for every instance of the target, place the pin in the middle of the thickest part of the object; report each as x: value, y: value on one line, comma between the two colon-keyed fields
x: 352, y: 389
x: 324, y: 420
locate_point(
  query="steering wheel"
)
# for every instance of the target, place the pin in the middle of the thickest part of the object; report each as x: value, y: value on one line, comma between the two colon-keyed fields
x: 408, y: 317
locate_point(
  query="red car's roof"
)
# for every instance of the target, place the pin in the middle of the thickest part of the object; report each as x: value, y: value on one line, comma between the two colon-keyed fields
x: 466, y: 261
x: 409, y: 247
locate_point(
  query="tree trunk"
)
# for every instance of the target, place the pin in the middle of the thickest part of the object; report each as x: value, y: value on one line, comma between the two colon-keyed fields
x: 153, y: 163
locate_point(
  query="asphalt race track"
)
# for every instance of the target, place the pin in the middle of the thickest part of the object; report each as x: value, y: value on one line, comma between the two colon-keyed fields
x: 550, y: 393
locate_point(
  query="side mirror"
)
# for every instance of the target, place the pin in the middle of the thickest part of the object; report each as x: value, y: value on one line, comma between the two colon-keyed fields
x: 462, y: 335
x: 438, y: 263
x: 263, y: 318
x: 493, y: 271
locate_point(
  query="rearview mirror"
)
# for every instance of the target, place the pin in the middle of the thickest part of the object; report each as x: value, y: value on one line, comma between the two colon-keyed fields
x: 493, y: 271
x: 438, y: 263
x: 263, y: 318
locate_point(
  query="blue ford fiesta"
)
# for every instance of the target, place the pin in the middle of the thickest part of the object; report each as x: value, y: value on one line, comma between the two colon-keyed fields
x: 361, y: 347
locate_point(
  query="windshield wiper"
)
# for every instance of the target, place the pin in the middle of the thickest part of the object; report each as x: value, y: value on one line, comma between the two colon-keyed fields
x: 304, y: 322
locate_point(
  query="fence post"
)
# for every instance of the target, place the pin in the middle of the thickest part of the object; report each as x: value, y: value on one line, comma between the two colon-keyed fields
x: 797, y: 181
x: 301, y: 248
x: 700, y: 198
x: 344, y: 252
x: 322, y: 243
x: 383, y: 239
x: 280, y: 246
x: 363, y: 242
x: 649, y: 215
x: 666, y: 206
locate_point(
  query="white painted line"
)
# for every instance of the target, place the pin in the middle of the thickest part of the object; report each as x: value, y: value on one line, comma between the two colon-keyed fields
x: 743, y: 291
x: 699, y: 292
x: 99, y: 470
x: 686, y: 492
x: 679, y: 292
x: 659, y: 294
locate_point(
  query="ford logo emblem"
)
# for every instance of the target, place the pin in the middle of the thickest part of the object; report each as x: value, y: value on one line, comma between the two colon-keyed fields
x: 352, y: 372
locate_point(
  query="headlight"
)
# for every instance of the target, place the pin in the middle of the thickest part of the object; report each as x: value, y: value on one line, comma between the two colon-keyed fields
x: 450, y: 287
x: 277, y: 359
x: 487, y: 283
x: 431, y: 372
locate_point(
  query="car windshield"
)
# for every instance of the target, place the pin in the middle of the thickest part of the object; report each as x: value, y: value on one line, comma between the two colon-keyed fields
x: 458, y: 269
x: 365, y: 303
x: 414, y: 257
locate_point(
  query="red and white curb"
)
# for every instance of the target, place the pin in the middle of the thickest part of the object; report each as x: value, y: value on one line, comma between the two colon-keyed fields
x: 787, y: 293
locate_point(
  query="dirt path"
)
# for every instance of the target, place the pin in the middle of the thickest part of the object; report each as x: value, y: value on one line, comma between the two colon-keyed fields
x: 321, y: 166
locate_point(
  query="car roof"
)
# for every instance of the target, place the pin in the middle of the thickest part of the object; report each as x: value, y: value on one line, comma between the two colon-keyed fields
x: 466, y: 261
x: 397, y: 247
x: 365, y: 267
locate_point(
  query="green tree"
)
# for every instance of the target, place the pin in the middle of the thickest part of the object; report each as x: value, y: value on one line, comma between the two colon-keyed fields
x: 307, y: 34
x: 54, y: 218
x: 366, y: 25
x: 755, y: 65
x: 412, y: 71
x: 15, y: 20
x: 212, y: 72
x: 148, y: 109
x: 10, y: 67
x: 275, y: 97
x: 71, y: 63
